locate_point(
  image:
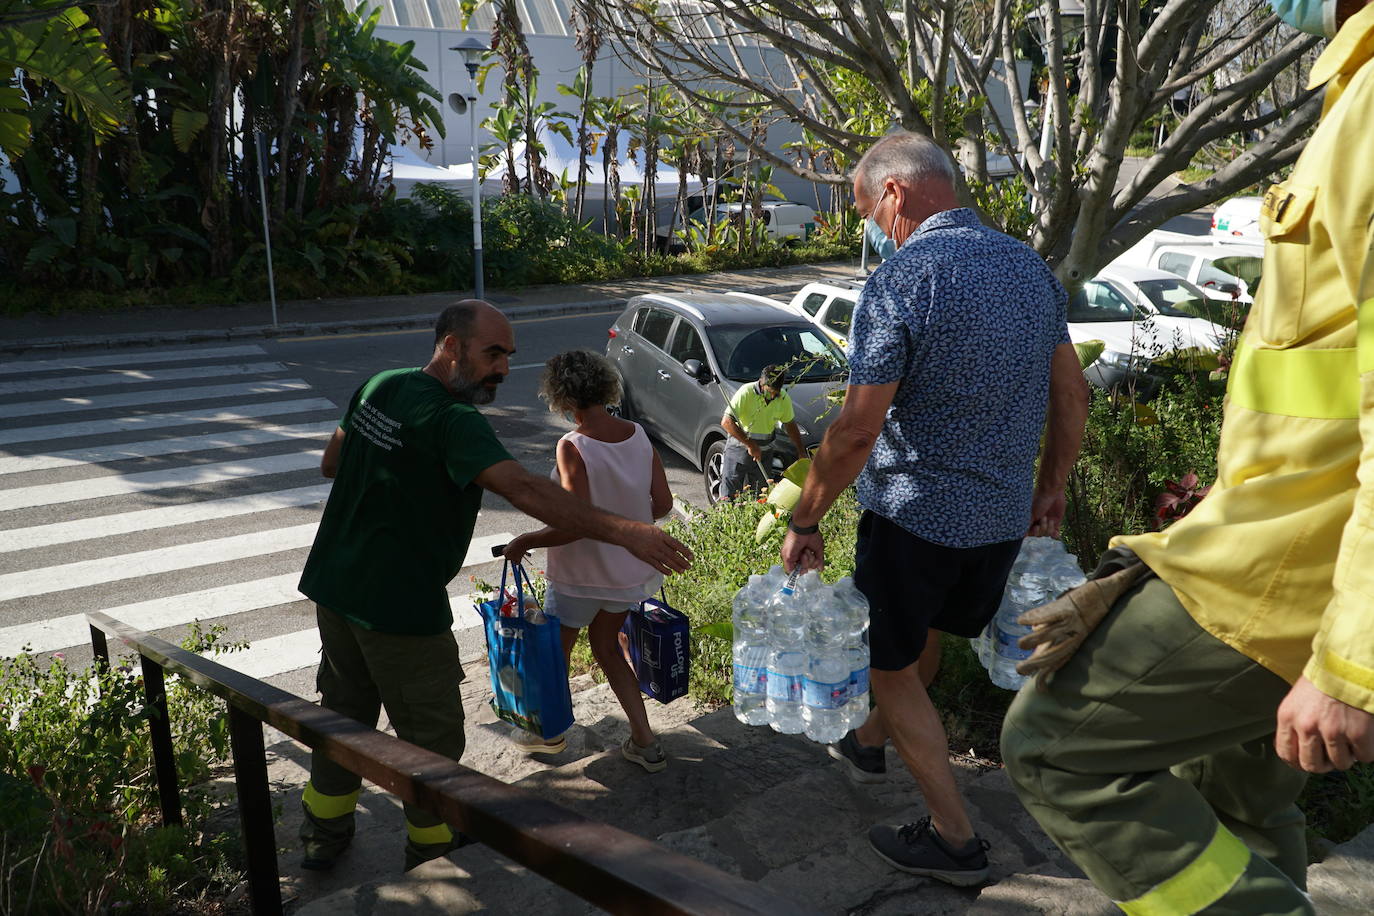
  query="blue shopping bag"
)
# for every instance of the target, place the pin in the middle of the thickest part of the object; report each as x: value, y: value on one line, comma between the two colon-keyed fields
x: 660, y: 648
x: 529, y: 678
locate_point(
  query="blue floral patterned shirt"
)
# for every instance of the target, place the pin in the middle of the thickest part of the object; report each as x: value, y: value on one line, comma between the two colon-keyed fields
x: 966, y: 319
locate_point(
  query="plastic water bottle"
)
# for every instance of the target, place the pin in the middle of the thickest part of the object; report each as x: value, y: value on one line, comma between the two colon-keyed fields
x: 786, y: 658
x: 855, y: 607
x: 1043, y: 571
x: 825, y: 689
x: 751, y: 653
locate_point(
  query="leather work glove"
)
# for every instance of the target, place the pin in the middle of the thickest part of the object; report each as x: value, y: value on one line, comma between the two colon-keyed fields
x: 1059, y: 628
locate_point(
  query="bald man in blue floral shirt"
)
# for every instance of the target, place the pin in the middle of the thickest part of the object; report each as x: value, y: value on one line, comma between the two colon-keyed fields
x: 959, y: 360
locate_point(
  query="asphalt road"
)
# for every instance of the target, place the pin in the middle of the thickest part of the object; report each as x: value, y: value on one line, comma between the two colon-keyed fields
x: 338, y: 364
x: 166, y: 485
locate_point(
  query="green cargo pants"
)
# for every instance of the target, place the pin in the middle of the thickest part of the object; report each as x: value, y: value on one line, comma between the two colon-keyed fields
x: 1150, y: 761
x: 416, y: 678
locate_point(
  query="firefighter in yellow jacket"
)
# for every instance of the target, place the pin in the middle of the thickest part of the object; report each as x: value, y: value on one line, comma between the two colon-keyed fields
x: 1167, y: 755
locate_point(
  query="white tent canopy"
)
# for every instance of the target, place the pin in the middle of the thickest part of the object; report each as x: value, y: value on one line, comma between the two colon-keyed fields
x: 559, y: 158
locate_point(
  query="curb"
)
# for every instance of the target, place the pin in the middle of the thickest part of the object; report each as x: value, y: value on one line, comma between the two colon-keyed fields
x: 305, y: 329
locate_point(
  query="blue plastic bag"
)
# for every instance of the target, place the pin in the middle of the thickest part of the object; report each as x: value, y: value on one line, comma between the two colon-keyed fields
x: 529, y: 678
x: 660, y: 649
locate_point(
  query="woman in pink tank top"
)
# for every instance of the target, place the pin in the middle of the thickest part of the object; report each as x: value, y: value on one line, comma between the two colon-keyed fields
x: 610, y: 463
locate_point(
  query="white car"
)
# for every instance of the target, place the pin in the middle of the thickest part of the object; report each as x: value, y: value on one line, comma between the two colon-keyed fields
x: 1238, y: 218
x: 1140, y: 314
x: 1226, y: 271
x: 782, y: 219
x: 829, y: 306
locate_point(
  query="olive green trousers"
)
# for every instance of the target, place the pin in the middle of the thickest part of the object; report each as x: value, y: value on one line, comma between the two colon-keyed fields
x: 416, y: 679
x: 1150, y: 761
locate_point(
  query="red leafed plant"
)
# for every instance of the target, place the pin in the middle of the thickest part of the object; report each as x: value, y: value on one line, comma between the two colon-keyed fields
x: 1179, y: 498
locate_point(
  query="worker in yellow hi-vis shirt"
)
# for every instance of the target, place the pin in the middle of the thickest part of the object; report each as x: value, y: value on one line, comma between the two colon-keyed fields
x: 1166, y: 755
x: 751, y: 419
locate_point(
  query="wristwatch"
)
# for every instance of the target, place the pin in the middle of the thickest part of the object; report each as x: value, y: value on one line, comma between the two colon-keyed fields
x: 802, y: 529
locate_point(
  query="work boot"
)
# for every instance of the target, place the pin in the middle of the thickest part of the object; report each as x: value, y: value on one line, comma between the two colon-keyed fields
x: 323, y: 840
x: 420, y: 853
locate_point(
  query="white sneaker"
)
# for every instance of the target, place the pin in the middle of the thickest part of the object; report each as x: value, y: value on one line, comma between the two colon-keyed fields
x: 533, y: 744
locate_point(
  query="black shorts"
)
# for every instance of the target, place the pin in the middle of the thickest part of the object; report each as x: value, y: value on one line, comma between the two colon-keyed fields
x: 914, y: 586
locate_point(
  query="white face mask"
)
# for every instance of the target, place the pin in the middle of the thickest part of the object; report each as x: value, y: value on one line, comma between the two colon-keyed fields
x: 1315, y: 17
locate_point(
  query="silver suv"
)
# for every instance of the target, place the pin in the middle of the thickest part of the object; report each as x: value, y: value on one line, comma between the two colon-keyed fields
x: 682, y: 357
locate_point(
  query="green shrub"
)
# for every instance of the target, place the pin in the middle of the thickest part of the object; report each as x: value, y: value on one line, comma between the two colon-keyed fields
x: 1131, y: 451
x: 78, y: 799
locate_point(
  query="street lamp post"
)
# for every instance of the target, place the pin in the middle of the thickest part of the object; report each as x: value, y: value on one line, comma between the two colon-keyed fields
x: 473, y: 50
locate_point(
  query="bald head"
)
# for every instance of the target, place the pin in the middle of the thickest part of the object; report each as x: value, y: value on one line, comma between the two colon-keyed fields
x: 461, y: 318
x: 473, y: 342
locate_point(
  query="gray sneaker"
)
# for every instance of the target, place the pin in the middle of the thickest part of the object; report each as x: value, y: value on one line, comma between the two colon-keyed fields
x: 651, y: 758
x: 918, y: 850
x: 861, y: 764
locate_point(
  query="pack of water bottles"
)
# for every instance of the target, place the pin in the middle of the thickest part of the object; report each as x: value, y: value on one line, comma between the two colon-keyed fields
x: 1043, y: 571
x: 801, y: 655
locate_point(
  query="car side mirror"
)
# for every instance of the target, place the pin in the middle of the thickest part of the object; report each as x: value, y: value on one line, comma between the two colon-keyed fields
x: 695, y: 369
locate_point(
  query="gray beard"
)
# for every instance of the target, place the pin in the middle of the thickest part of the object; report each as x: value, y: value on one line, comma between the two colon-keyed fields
x: 469, y: 390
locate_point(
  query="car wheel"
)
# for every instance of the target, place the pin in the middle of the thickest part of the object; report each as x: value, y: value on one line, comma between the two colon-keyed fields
x: 713, y: 471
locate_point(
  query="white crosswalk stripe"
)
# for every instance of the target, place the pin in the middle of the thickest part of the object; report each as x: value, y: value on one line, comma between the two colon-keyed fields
x: 150, y: 519
x: 151, y: 421
x: 142, y: 358
x: 208, y: 441
x: 222, y: 521
x: 120, y: 484
x: 135, y: 377
x: 144, y: 398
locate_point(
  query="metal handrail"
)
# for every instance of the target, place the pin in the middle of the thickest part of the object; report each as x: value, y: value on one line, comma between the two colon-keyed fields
x: 605, y: 865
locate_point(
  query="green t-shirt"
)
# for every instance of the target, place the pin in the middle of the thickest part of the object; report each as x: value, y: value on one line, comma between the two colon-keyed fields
x: 756, y: 415
x: 403, y: 506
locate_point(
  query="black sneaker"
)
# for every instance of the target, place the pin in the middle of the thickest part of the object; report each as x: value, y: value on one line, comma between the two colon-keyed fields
x: 917, y: 849
x: 419, y: 853
x: 861, y: 764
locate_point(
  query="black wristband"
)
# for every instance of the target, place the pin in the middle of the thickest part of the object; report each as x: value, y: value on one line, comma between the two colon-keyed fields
x: 798, y: 529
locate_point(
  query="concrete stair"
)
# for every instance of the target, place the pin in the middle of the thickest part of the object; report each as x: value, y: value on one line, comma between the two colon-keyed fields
x: 771, y: 808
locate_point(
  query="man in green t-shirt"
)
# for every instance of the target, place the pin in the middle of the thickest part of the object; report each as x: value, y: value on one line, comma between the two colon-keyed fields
x: 410, y: 460
x: 754, y: 413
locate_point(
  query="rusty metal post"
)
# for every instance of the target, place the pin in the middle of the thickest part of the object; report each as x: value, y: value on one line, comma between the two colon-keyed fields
x: 255, y: 812
x: 160, y: 731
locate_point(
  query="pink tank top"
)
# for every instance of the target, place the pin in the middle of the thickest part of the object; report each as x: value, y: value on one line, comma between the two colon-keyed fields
x: 619, y: 478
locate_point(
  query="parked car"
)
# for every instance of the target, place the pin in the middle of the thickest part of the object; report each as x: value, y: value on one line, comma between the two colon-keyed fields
x: 1238, y: 218
x: 682, y: 357
x: 782, y: 219
x: 1226, y: 271
x: 1135, y: 312
x: 830, y: 306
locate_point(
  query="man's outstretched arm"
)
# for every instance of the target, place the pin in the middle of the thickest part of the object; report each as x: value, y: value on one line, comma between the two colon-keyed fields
x: 551, y: 504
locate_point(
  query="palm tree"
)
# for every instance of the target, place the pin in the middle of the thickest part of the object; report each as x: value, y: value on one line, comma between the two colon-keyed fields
x: 52, y: 41
x: 612, y: 115
x: 588, y: 39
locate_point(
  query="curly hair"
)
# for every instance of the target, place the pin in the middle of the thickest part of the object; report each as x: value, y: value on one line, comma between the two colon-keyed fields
x: 579, y: 379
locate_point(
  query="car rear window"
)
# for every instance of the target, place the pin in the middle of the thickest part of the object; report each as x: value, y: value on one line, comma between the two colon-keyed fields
x: 654, y: 324
x: 1097, y: 301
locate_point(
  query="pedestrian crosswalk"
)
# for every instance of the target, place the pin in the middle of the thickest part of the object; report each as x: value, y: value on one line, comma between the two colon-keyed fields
x: 148, y: 486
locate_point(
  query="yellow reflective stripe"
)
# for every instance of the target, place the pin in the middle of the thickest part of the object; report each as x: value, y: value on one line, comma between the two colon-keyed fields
x: 1347, y: 670
x: 1202, y: 883
x: 424, y: 836
x: 1321, y: 384
x: 1366, y: 330
x: 328, y: 806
